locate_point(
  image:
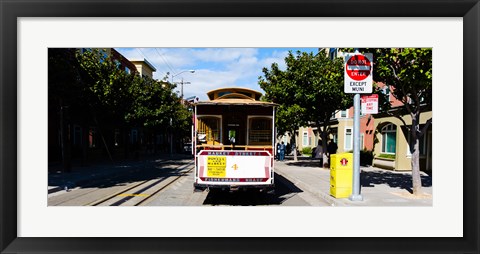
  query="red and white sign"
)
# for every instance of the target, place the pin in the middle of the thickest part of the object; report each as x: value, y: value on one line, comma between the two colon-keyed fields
x: 358, y: 73
x: 343, y: 161
x: 369, y: 104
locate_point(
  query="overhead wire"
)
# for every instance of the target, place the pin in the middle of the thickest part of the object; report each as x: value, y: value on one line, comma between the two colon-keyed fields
x: 166, y: 62
x: 145, y: 57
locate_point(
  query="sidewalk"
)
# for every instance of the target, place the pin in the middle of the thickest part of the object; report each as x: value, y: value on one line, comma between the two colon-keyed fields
x: 379, y: 187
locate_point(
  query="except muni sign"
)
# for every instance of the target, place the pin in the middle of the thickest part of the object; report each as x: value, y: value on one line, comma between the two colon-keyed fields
x: 358, y: 73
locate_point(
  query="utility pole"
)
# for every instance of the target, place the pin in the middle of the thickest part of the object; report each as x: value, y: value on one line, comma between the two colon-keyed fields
x: 181, y: 87
x: 174, y: 75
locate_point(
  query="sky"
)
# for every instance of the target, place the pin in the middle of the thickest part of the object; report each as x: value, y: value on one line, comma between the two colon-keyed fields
x: 214, y: 67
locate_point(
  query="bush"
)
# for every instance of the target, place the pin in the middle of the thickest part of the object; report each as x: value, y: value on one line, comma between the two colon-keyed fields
x: 307, y: 151
x: 366, y: 157
x: 387, y: 156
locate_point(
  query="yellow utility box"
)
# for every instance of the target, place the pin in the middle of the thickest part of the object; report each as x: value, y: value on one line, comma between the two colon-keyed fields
x: 341, y: 175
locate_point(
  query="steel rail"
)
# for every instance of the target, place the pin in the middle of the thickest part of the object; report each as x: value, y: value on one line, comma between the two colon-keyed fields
x: 125, y: 199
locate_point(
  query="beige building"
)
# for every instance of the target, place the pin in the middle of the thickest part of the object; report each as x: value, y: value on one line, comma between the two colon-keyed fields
x: 144, y: 68
x: 392, y: 139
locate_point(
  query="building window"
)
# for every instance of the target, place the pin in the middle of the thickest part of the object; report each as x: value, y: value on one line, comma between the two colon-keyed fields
x: 134, y: 137
x: 77, y: 136
x: 422, y: 145
x: 332, y: 54
x: 386, y: 90
x: 305, y: 138
x: 348, y: 139
x: 127, y: 70
x: 343, y: 113
x: 117, y: 137
x: 389, y: 138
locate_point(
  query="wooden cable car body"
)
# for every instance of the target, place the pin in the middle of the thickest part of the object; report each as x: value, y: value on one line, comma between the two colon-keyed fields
x: 234, y: 138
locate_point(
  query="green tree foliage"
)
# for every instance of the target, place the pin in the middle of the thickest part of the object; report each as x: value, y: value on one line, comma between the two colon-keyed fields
x: 407, y: 72
x: 93, y: 87
x: 108, y: 89
x: 309, y: 91
x: 140, y: 101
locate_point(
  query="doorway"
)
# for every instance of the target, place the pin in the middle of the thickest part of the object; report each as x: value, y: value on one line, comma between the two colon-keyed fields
x: 233, y: 134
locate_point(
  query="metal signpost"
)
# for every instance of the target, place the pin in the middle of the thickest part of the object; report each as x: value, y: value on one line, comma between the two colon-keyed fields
x: 358, y: 80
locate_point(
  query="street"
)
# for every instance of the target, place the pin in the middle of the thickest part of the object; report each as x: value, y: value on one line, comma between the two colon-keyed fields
x: 170, y: 183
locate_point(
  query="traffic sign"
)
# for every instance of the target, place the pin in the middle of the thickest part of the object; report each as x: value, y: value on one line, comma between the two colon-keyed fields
x: 370, y: 104
x: 358, y: 73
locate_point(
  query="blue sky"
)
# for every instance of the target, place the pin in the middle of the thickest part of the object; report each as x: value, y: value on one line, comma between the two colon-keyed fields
x: 214, y: 67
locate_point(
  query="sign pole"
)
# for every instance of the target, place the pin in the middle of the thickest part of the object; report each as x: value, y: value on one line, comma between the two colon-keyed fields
x: 358, y: 80
x: 356, y: 196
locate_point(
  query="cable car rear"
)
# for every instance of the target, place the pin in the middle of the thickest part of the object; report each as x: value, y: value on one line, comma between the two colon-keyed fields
x: 234, y: 140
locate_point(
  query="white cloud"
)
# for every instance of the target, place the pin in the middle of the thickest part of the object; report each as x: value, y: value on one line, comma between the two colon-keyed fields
x: 222, y: 54
x: 214, y: 67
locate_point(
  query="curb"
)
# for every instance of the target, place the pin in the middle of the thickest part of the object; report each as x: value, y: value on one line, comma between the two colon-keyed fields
x: 54, y: 189
x: 306, y: 187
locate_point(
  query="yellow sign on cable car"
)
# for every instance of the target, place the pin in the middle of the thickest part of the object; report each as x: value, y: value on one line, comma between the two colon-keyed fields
x: 216, y: 166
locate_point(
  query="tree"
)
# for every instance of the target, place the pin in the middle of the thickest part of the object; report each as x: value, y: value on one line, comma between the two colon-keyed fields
x: 87, y: 87
x: 309, y: 91
x: 408, y: 73
x: 279, y: 89
x: 108, y: 92
x: 289, y: 119
x: 63, y: 97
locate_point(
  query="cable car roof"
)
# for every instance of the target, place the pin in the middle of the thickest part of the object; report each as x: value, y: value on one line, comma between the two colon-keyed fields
x: 235, y: 96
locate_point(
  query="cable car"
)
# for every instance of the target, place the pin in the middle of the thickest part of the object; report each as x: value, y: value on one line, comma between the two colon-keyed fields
x: 234, y: 135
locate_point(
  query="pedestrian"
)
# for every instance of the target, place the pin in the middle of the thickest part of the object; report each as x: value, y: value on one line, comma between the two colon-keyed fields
x: 278, y: 151
x: 318, y: 150
x: 288, y: 149
x: 282, y: 151
x: 331, y: 149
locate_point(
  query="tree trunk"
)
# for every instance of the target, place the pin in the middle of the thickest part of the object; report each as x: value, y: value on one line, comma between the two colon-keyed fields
x: 296, y: 147
x: 324, y: 148
x: 416, y: 179
x: 103, y: 138
x: 65, y: 141
x: 85, y: 145
x: 323, y: 133
x: 126, y: 142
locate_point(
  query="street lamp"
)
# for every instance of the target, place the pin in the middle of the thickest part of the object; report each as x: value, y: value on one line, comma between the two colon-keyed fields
x: 171, y: 127
x: 181, y: 87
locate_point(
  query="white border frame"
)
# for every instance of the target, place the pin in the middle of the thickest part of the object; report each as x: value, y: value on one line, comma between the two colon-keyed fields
x: 36, y: 34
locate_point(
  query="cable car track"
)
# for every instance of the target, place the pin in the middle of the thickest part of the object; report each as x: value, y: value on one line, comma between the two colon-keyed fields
x: 139, y: 193
x: 85, y: 194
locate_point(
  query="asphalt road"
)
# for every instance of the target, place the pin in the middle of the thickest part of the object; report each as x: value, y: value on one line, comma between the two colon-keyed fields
x: 176, y: 189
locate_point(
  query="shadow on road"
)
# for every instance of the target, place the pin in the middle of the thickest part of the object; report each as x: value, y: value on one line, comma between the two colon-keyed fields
x: 107, y: 175
x: 304, y: 162
x: 392, y: 179
x: 284, y: 189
